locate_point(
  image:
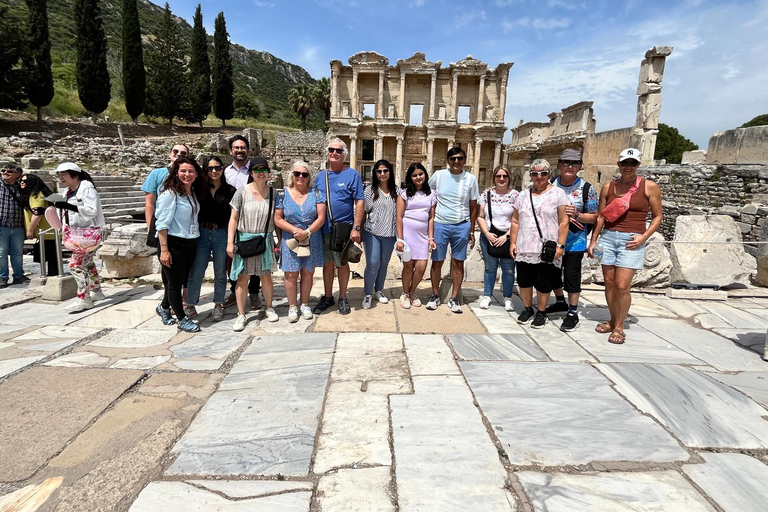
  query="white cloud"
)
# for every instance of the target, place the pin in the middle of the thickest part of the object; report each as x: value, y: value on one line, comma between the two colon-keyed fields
x: 260, y: 3
x: 419, y: 3
x: 542, y: 24
x: 462, y: 20
x: 565, y: 4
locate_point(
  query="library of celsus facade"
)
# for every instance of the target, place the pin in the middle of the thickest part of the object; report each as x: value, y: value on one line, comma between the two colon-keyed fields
x: 417, y: 110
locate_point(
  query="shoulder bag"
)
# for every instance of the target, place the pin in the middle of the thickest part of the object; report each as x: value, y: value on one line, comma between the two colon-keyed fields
x: 620, y: 205
x: 340, y: 231
x: 258, y: 245
x: 501, y: 251
x: 549, y: 247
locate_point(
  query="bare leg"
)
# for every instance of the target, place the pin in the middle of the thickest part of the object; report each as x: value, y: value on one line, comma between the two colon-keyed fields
x: 328, y: 271
x: 457, y: 275
x: 343, y: 280
x: 526, y: 294
x: 291, y: 279
x: 621, y: 295
x: 241, y: 292
x: 609, y: 275
x: 573, y: 298
x: 306, y: 285
x: 418, y: 274
x: 268, y: 289
x: 541, y: 300
x: 408, y: 276
x: 434, y: 276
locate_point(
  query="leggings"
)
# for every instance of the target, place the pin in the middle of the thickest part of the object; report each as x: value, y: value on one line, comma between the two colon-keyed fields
x: 183, y: 252
x: 84, y: 271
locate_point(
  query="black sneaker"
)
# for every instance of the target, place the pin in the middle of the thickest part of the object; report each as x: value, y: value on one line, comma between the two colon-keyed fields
x: 21, y: 280
x: 557, y: 307
x: 325, y: 303
x: 165, y: 315
x: 570, y: 322
x: 540, y: 320
x: 344, y: 306
x: 525, y: 316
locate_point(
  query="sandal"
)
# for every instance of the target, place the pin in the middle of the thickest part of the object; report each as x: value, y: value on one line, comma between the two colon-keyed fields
x: 617, y: 337
x: 604, y: 328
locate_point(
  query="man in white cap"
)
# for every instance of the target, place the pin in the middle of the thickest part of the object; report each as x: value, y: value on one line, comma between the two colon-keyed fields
x: 582, y: 213
x: 11, y: 226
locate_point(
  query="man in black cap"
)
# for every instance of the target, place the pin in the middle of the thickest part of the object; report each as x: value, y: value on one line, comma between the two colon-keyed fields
x: 582, y: 213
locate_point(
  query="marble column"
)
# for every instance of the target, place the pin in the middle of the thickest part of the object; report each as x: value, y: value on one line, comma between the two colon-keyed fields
x: 496, y: 154
x: 399, y: 161
x: 335, y: 100
x: 380, y: 107
x: 353, y: 152
x: 480, y: 97
x: 401, y: 99
x: 476, y: 159
x: 430, y: 153
x: 432, y: 91
x: 355, y: 96
x: 379, y: 147
x: 502, y: 101
x: 454, y: 96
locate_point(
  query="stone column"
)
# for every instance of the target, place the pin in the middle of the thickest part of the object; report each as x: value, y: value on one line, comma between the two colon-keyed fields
x: 432, y: 91
x: 380, y: 107
x: 353, y: 152
x: 454, y: 96
x: 379, y: 147
x: 480, y: 97
x: 355, y: 96
x: 335, y: 100
x: 649, y: 102
x: 399, y: 161
x: 496, y: 154
x: 401, y: 99
x: 476, y: 159
x: 502, y: 100
x: 430, y: 153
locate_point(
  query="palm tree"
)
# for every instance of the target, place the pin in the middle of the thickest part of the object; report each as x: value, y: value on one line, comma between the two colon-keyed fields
x: 300, y: 100
x: 322, y: 96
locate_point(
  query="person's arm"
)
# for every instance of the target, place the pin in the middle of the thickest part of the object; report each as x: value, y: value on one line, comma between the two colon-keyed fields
x: 562, y: 230
x: 399, y: 213
x: 654, y: 197
x: 484, y: 228
x: 513, y: 228
x: 472, y: 221
x: 232, y: 228
x: 356, y: 236
x: 33, y: 223
x: 431, y: 228
x: 600, y: 220
x: 90, y: 206
x: 149, y: 207
x: 165, y: 255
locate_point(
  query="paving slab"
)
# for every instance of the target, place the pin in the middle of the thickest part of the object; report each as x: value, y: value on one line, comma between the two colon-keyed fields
x: 34, y: 313
x: 429, y: 354
x: 496, y: 347
x: 9, y: 366
x: 79, y: 360
x: 209, y: 345
x: 264, y: 418
x: 131, y: 338
x: 752, y: 384
x: 252, y: 488
x: 43, y: 408
x: 140, y: 363
x: 440, y: 321
x: 680, y: 307
x: 353, y: 490
x: 183, y: 497
x: 735, y: 481
x: 714, y: 350
x: 445, y: 459
x: 749, y: 338
x: 736, y: 317
x: 126, y: 314
x: 496, y: 319
x: 557, y: 345
x: 701, y: 411
x: 564, y: 413
x: 380, y: 318
x: 613, y: 492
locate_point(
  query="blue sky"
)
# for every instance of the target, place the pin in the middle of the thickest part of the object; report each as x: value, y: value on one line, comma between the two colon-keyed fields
x: 564, y: 51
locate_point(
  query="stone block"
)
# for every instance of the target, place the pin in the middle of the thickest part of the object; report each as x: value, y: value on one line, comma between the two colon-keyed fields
x: 255, y: 136
x: 122, y: 268
x: 762, y: 270
x: 219, y: 143
x: 32, y: 162
x: 744, y: 227
x: 648, y: 108
x: 697, y: 156
x: 739, y: 146
x: 59, y: 288
x: 750, y: 209
x: 712, y: 252
x: 706, y: 294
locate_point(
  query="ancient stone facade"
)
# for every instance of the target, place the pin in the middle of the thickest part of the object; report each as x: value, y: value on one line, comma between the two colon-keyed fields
x: 417, y: 110
x: 293, y: 146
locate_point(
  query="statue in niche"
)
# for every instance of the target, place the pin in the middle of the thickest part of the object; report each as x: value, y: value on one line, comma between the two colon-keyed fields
x: 391, y: 111
x: 345, y: 109
x: 441, y: 111
x: 490, y: 113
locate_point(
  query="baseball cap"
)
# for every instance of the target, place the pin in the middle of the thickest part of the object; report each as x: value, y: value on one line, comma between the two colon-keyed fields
x: 67, y: 166
x: 630, y: 154
x: 571, y: 154
x: 259, y: 161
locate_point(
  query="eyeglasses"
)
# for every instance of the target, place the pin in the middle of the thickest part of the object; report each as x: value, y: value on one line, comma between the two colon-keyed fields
x: 629, y: 163
x: 570, y: 163
x: 298, y: 174
x: 239, y: 148
x: 23, y: 180
x: 382, y: 171
x: 457, y: 159
x: 178, y: 152
x: 505, y: 176
x: 336, y: 150
x: 260, y: 169
x: 536, y: 174
x: 215, y: 168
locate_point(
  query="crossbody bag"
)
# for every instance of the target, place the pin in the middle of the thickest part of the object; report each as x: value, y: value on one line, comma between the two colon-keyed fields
x: 340, y: 231
x: 258, y: 245
x: 549, y: 247
x: 501, y: 251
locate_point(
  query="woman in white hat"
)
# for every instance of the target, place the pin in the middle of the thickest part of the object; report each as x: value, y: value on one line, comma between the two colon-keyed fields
x: 82, y: 221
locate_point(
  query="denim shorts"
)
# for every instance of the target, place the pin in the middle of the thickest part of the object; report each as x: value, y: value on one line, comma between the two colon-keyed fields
x: 615, y: 250
x: 455, y: 235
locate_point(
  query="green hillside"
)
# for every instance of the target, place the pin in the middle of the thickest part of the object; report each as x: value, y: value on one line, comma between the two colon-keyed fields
x: 262, y: 75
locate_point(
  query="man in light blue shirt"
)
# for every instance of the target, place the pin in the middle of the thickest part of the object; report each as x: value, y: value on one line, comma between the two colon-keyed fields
x: 455, y: 216
x: 154, y: 183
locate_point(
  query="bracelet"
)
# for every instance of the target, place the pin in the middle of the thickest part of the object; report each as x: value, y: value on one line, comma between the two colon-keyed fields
x: 163, y: 245
x: 428, y: 239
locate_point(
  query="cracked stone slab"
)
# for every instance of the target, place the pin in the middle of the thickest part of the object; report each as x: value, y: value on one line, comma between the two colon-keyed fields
x: 557, y: 345
x: 124, y: 315
x: 48, y: 314
x: 735, y: 481
x: 9, y: 366
x: 183, y: 497
x: 752, y: 384
x: 702, y: 412
x: 564, y: 413
x: 612, y: 492
x: 429, y: 354
x: 497, y: 320
x: 252, y: 488
x: 496, y: 347
x: 79, y: 360
x: 140, y: 363
x: 131, y: 338
x: 356, y: 489
x: 209, y: 345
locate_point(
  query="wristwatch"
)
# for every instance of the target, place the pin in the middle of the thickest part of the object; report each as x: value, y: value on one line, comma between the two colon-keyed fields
x: 562, y: 246
x: 357, y: 228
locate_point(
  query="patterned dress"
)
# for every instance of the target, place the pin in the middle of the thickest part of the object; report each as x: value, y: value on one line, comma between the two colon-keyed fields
x: 529, y: 243
x: 253, y: 217
x: 301, y: 216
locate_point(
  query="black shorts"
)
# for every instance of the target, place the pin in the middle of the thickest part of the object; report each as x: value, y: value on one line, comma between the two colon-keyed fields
x: 570, y: 277
x: 536, y: 275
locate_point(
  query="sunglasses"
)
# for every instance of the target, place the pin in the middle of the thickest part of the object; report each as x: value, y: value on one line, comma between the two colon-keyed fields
x: 298, y: 174
x: 457, y: 159
x: 570, y: 163
x: 8, y: 171
x: 336, y: 150
x: 382, y: 171
x: 239, y: 148
x: 505, y: 176
x: 177, y: 152
x: 536, y: 174
x: 629, y: 163
x: 215, y: 168
x: 260, y: 170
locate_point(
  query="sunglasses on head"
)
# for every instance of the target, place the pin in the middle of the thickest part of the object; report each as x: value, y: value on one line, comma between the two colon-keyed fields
x: 336, y: 150
x: 457, y: 159
x: 536, y: 174
x: 299, y: 174
x: 215, y: 168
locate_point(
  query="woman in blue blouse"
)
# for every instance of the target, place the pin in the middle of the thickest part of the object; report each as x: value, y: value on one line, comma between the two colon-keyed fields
x: 177, y: 230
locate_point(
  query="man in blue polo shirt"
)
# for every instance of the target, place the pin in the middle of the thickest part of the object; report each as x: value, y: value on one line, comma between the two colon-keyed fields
x: 153, y: 184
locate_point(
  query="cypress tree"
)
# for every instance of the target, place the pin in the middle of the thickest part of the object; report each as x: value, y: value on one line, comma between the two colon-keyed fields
x: 199, y: 80
x: 93, y: 85
x: 134, y: 75
x: 39, y: 79
x: 166, y: 71
x: 11, y: 74
x: 223, y: 87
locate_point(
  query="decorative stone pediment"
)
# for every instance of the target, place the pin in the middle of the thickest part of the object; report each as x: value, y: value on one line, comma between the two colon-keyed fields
x: 368, y: 59
x: 418, y: 62
x: 470, y: 64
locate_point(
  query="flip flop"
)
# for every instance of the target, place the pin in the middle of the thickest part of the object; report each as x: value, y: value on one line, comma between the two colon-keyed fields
x: 617, y: 337
x: 604, y: 328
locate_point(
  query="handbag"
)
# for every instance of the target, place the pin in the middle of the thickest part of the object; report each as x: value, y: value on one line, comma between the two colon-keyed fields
x: 549, y: 247
x: 152, y: 240
x: 254, y: 246
x: 340, y: 231
x: 620, y: 205
x: 501, y: 251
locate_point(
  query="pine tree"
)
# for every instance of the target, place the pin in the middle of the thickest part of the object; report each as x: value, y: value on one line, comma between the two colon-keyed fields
x: 223, y: 87
x: 300, y: 100
x: 321, y: 96
x: 166, y: 71
x: 199, y: 80
x: 91, y: 72
x: 134, y: 75
x: 37, y: 61
x: 11, y: 74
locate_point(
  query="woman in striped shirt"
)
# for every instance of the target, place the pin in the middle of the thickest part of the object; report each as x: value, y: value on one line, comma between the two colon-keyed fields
x: 379, y: 232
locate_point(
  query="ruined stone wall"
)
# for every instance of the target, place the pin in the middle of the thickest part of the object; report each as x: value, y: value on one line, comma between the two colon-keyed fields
x: 739, y: 146
x: 293, y: 146
x: 601, y: 152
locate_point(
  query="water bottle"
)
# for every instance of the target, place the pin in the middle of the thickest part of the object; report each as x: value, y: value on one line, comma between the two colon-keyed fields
x: 597, y: 251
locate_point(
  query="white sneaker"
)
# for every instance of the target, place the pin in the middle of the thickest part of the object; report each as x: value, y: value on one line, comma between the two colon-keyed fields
x: 97, y: 295
x: 80, y: 305
x: 415, y: 301
x: 240, y: 323
x: 306, y: 312
x: 367, y: 302
x: 485, y: 302
x: 218, y: 312
x: 381, y: 297
x: 271, y: 315
x: 293, y: 314
x: 405, y: 301
x: 508, y: 304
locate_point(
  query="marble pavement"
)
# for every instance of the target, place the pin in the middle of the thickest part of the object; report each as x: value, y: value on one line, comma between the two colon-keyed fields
x: 385, y: 409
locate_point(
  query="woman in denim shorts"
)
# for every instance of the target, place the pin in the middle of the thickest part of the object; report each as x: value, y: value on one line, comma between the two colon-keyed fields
x: 624, y: 239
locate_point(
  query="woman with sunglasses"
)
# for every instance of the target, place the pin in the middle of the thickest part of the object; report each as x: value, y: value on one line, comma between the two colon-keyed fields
x: 539, y: 217
x: 33, y: 194
x: 214, y: 222
x: 251, y: 214
x: 494, y: 218
x: 300, y: 215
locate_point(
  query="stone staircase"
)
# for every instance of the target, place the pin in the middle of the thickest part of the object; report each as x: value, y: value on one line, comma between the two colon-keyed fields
x: 121, y: 198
